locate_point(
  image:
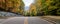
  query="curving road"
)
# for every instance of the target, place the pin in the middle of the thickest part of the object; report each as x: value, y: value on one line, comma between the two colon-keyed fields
x: 25, y: 20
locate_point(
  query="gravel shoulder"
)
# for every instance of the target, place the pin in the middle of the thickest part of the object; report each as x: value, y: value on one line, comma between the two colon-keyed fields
x: 53, y: 19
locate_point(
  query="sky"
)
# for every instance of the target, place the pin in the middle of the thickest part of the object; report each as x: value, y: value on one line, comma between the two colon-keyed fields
x: 27, y: 3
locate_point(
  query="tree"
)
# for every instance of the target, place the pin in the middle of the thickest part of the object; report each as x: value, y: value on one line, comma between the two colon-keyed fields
x: 16, y: 6
x: 48, y: 7
x: 33, y: 10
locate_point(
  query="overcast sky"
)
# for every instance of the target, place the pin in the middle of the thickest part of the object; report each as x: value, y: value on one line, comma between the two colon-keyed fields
x: 28, y: 2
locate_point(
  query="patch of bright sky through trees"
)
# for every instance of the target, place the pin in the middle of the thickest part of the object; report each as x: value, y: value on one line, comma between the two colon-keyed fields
x: 27, y: 3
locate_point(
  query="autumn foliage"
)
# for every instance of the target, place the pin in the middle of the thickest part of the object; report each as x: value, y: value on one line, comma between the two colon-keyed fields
x: 15, y: 6
x: 45, y: 7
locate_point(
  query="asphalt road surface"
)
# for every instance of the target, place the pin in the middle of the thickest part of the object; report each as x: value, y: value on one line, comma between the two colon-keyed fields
x: 24, y: 20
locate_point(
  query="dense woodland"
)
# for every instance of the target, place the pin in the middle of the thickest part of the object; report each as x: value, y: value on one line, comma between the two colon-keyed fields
x: 15, y: 6
x: 45, y: 7
x: 38, y: 8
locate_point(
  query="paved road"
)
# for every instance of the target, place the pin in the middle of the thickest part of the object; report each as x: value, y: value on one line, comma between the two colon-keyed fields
x: 25, y: 20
